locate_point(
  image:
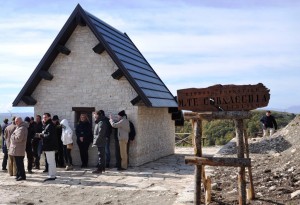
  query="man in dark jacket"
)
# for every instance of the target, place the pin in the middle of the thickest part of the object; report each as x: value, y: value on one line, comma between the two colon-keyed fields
x: 30, y: 136
x: 101, y: 133
x: 49, y: 145
x: 4, y: 146
x: 59, y: 155
x: 269, y: 123
x: 36, y: 142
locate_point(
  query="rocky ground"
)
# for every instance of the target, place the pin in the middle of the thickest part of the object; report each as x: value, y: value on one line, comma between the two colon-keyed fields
x: 275, y: 169
x: 168, y: 181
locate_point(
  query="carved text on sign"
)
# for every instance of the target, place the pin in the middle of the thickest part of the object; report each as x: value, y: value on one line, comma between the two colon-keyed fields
x: 224, y: 98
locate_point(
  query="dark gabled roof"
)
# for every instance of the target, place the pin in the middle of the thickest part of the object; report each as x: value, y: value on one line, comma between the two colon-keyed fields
x: 131, y: 63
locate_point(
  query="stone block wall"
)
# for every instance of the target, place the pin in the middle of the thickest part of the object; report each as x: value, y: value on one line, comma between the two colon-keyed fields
x: 83, y: 79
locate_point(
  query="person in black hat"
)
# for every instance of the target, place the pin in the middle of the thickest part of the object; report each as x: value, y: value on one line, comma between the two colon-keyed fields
x: 123, y: 131
x: 30, y: 136
x: 59, y: 155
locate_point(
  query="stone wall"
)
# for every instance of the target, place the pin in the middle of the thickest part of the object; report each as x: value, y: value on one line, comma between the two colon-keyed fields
x: 83, y: 79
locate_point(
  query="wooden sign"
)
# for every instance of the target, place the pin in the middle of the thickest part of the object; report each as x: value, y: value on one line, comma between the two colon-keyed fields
x: 223, y: 98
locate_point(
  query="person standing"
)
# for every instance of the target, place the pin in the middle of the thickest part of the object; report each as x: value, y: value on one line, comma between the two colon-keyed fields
x: 84, y: 138
x: 37, y: 142
x: 59, y: 155
x: 30, y: 136
x: 49, y: 145
x: 123, y: 132
x: 67, y: 140
x: 269, y: 124
x: 4, y: 144
x: 17, y: 147
x: 101, y: 133
x: 12, y: 169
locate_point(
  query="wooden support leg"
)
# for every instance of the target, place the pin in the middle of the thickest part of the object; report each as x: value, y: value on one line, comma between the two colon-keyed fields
x: 240, y: 154
x: 251, y: 192
x: 198, y: 168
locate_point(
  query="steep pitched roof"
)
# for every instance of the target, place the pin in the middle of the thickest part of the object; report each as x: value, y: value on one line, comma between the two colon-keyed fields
x: 131, y: 63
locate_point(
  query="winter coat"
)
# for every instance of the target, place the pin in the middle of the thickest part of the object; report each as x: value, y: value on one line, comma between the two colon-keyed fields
x: 18, y: 140
x: 49, y: 137
x: 4, y: 143
x: 123, y: 128
x: 8, y: 132
x: 269, y: 122
x: 30, y: 136
x: 67, y: 133
x: 101, y: 131
x: 84, y: 129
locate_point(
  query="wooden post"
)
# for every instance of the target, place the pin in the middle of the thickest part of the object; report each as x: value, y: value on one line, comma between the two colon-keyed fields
x: 208, y: 191
x: 198, y: 152
x: 240, y: 154
x: 251, y: 194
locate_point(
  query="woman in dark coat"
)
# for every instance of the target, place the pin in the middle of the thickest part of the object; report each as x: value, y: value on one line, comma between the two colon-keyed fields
x: 84, y: 138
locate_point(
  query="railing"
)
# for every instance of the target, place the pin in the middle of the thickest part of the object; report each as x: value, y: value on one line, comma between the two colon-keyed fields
x: 183, y: 139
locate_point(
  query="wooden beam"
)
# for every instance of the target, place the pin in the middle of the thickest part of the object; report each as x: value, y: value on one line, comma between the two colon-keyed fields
x: 172, y: 109
x: 63, y: 49
x: 251, y: 192
x: 240, y: 155
x: 80, y: 21
x: 45, y: 75
x: 177, y: 115
x: 117, y: 74
x: 99, y: 48
x: 218, y: 161
x: 29, y: 100
x: 217, y: 115
x: 136, y: 100
x: 197, y: 125
x: 179, y: 122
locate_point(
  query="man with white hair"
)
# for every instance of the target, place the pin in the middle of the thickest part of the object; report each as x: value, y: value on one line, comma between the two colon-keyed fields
x: 17, y: 147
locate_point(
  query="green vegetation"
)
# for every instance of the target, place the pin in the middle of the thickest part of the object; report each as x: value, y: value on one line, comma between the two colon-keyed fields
x: 219, y: 132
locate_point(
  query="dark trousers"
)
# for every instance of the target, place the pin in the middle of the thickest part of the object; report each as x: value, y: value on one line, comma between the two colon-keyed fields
x: 5, y: 158
x: 20, y: 167
x: 117, y: 149
x: 59, y: 155
x: 67, y: 155
x: 84, y: 152
x: 107, y: 152
x: 46, y: 163
x: 101, y: 158
x: 29, y: 155
x: 36, y: 152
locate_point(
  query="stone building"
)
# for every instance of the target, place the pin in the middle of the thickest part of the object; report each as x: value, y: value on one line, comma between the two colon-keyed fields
x: 91, y: 66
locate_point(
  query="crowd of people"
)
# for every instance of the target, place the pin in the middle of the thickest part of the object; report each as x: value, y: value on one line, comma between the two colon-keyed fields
x: 33, y: 137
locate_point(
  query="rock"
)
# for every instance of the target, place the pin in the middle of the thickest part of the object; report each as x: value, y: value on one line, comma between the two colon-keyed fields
x: 291, y: 169
x: 293, y: 150
x: 272, y: 188
x: 295, y: 193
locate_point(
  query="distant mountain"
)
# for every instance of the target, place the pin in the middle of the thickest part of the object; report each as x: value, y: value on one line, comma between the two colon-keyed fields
x: 10, y: 115
x: 293, y: 109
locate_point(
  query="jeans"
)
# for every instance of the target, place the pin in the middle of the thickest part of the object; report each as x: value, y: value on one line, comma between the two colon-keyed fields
x: 67, y: 155
x: 51, y: 163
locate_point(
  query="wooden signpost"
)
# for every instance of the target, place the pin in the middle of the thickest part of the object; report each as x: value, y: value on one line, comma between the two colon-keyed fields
x: 222, y: 102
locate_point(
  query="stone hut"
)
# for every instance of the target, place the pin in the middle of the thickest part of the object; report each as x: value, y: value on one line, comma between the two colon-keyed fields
x: 90, y: 66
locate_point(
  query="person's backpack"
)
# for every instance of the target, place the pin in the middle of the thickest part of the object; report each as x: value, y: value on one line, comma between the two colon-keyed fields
x: 132, y: 131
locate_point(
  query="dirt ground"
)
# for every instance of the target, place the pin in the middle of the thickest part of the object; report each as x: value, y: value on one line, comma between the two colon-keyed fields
x: 158, y: 182
x: 168, y: 181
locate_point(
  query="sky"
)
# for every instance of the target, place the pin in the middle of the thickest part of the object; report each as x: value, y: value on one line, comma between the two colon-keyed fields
x: 189, y: 43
